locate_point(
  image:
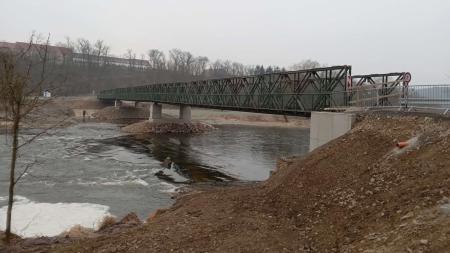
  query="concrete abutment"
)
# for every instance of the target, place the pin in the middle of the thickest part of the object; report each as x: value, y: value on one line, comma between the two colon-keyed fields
x: 327, y: 126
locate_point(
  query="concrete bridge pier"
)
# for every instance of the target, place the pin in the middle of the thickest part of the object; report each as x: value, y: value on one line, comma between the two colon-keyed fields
x: 155, y: 111
x: 185, y: 113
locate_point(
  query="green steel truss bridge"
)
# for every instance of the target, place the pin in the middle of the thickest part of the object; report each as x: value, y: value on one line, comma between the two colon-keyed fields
x: 292, y: 92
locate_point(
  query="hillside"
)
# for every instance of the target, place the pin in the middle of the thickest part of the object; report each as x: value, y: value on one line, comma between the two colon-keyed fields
x: 359, y: 193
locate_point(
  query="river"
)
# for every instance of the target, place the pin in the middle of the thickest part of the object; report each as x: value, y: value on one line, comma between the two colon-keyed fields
x: 86, y: 171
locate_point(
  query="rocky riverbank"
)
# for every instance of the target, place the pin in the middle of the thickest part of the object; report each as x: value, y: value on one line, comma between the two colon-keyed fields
x: 358, y: 193
x: 147, y: 127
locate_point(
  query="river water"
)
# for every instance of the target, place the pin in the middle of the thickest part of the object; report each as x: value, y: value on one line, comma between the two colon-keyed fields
x: 84, y: 172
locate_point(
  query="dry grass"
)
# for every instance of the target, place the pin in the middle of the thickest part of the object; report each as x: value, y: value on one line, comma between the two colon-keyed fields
x: 79, y: 231
x: 107, y: 222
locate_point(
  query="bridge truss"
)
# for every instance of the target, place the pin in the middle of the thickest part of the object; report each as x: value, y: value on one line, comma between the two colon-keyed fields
x: 293, y: 92
x: 387, y: 88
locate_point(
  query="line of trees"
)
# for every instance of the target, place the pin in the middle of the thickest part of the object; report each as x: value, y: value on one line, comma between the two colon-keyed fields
x: 97, y: 54
x: 95, y: 69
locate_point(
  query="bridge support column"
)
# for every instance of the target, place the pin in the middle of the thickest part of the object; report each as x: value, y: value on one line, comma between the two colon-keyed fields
x: 117, y: 103
x: 185, y: 113
x: 155, y: 111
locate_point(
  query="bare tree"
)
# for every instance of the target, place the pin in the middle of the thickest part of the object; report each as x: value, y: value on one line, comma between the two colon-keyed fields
x: 131, y: 56
x: 84, y: 47
x: 237, y: 69
x: 226, y: 68
x: 199, y: 65
x: 181, y: 61
x: 157, y: 59
x: 175, y: 59
x: 305, y: 64
x: 67, y: 44
x: 101, y: 52
x: 22, y: 73
x: 188, y: 60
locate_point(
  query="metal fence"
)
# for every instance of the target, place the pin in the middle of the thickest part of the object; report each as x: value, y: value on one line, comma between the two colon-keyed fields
x: 413, y: 97
x: 436, y: 96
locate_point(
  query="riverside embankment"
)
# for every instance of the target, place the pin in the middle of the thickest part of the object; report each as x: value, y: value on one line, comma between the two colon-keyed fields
x: 359, y: 193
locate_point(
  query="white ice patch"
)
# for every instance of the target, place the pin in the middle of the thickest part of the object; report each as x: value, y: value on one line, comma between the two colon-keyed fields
x: 174, y: 175
x: 137, y: 181
x: 125, y: 181
x: 32, y: 219
x: 168, y: 188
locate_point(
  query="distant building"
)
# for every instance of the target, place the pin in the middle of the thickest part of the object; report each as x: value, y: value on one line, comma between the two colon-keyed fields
x: 63, y: 55
x: 6, y: 46
x: 110, y: 60
x: 58, y: 55
x: 47, y: 94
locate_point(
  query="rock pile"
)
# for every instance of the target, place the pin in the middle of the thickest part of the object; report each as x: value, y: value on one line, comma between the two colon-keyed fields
x: 167, y: 128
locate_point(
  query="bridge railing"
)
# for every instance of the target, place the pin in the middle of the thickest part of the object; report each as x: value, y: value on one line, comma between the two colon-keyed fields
x: 436, y: 96
x: 412, y: 97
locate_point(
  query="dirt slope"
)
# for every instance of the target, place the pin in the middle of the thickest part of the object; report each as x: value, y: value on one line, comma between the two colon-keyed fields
x: 358, y: 193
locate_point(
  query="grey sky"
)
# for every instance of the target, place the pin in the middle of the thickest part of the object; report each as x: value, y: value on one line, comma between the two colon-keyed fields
x: 372, y: 36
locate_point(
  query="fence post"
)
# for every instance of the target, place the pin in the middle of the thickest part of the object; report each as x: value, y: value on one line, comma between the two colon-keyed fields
x: 378, y: 98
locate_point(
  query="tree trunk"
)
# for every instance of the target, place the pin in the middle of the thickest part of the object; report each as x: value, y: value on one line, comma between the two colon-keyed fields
x: 12, y: 174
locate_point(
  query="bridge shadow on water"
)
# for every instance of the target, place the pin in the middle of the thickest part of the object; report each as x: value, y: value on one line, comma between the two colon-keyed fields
x: 178, y: 163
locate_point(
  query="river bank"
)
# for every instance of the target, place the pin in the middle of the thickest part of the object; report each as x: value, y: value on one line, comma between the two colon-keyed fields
x: 359, y: 193
x: 98, y: 169
x: 208, y: 116
x: 66, y: 111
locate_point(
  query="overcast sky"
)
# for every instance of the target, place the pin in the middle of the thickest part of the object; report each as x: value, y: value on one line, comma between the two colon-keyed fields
x: 372, y: 36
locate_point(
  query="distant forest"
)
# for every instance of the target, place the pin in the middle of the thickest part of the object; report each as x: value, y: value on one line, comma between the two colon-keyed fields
x: 94, y: 69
